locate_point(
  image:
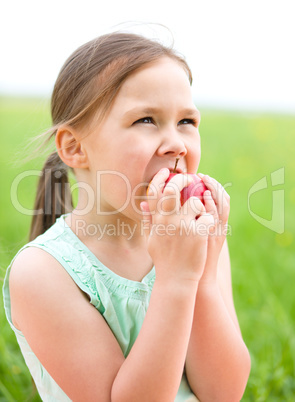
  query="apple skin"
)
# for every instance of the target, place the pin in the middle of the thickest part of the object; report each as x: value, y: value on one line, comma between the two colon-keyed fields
x: 195, y: 189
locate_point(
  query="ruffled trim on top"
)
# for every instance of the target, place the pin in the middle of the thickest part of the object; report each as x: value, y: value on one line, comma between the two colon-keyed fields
x: 61, y: 242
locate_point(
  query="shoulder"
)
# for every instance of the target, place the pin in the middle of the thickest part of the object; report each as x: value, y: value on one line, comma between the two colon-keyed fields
x: 33, y: 264
x: 31, y: 257
x: 36, y: 276
x: 66, y: 333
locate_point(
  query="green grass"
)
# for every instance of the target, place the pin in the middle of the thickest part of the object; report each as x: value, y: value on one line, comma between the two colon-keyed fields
x: 238, y: 149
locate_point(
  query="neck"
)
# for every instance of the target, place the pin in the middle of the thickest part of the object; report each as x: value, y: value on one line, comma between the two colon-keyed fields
x: 117, y: 241
x: 117, y: 229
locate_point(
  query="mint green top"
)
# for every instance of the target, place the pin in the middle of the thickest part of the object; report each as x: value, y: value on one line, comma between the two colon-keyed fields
x: 122, y: 302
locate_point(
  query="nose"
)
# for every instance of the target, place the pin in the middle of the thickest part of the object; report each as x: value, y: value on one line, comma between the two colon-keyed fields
x: 172, y: 144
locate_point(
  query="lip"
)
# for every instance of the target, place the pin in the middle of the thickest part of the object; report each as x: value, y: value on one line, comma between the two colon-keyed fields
x: 171, y: 169
x: 178, y: 170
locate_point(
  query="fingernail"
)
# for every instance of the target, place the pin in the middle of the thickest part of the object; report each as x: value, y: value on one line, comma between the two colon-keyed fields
x: 143, y: 207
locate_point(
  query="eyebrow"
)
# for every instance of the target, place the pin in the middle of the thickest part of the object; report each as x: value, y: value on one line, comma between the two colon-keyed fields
x: 188, y: 112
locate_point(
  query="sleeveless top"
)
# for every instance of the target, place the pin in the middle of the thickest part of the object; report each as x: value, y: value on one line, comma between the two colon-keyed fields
x: 122, y: 302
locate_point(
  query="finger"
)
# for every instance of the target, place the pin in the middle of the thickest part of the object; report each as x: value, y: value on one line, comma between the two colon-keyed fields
x: 206, y: 221
x: 155, y: 188
x: 171, y: 199
x: 210, y: 205
x: 223, y: 192
x: 146, y: 217
x: 193, y: 207
x: 217, y: 193
x: 144, y: 206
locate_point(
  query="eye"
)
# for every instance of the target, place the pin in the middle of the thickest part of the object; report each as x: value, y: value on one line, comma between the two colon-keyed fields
x: 188, y: 121
x: 144, y: 120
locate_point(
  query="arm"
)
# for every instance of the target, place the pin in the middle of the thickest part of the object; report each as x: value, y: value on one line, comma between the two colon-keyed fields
x: 76, y: 346
x: 218, y: 361
x: 67, y: 334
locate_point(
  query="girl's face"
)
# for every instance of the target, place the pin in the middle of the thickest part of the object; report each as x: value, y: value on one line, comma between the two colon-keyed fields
x: 152, y: 121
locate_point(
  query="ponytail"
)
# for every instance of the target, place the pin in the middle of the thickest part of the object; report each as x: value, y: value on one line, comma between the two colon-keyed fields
x: 53, y: 195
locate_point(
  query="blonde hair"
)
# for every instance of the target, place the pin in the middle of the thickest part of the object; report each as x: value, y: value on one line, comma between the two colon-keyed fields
x: 86, y: 85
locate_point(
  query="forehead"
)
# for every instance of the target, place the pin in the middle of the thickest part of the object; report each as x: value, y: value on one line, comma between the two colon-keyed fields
x: 164, y: 80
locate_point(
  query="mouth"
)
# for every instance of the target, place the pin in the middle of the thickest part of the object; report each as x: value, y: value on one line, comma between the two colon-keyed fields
x: 177, y: 170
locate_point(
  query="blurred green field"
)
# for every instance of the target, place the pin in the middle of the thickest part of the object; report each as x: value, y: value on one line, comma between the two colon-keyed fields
x: 238, y: 149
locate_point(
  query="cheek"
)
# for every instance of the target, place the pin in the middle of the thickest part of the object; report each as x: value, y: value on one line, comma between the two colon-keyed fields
x: 194, y: 156
x: 123, y: 181
x: 114, y: 187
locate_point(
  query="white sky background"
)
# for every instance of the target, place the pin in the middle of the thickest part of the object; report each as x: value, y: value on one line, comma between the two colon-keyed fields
x: 242, y: 53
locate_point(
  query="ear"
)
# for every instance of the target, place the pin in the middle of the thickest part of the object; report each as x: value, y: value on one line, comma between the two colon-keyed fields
x: 70, y: 149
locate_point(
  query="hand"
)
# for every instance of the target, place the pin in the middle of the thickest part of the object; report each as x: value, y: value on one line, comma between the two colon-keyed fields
x: 217, y: 203
x: 178, y: 235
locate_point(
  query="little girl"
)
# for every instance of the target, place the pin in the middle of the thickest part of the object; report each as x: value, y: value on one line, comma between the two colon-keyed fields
x: 126, y: 297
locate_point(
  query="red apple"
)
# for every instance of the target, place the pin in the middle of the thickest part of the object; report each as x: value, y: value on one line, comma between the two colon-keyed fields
x: 195, y: 189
